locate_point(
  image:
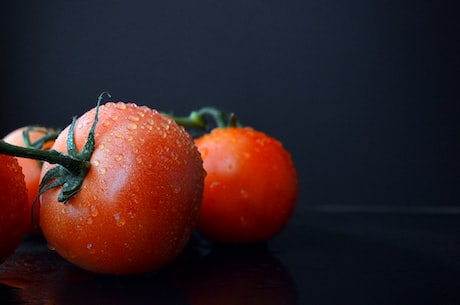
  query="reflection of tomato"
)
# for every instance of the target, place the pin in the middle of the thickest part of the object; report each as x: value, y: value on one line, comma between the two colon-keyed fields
x: 31, y: 168
x: 250, y: 188
x: 14, y: 211
x: 99, y: 289
x: 138, y: 203
x: 232, y: 276
x: 46, y: 278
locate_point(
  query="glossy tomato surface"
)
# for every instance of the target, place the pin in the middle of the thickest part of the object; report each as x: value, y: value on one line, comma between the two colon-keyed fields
x: 30, y: 167
x: 138, y: 203
x: 250, y: 188
x: 14, y: 211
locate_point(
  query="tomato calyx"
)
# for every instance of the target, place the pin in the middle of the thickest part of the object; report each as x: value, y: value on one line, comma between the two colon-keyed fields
x: 71, y: 168
x: 206, y: 119
x: 49, y: 134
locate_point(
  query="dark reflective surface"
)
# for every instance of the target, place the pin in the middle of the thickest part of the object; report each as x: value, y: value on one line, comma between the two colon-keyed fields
x: 322, y: 257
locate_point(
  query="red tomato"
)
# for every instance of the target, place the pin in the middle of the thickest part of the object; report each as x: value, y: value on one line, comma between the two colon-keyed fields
x: 250, y: 188
x: 139, y: 201
x: 30, y: 168
x: 14, y: 211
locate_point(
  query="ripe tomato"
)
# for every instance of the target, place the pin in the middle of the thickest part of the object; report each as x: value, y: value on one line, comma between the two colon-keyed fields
x: 250, y: 188
x: 30, y: 168
x: 138, y: 203
x: 14, y: 211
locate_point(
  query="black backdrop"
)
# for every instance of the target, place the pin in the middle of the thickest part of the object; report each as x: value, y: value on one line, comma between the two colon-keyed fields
x: 363, y: 93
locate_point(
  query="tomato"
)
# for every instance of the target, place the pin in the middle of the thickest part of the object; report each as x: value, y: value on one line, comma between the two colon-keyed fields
x: 14, y: 211
x: 251, y: 186
x: 30, y: 168
x: 138, y: 204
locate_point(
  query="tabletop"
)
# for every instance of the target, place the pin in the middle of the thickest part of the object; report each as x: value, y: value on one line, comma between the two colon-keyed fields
x: 323, y: 256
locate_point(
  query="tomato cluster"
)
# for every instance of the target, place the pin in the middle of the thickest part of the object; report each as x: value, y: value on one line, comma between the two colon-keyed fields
x: 121, y: 189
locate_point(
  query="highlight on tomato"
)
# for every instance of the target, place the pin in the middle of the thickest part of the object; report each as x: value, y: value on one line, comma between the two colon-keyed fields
x: 120, y: 189
x: 250, y: 190
x: 14, y: 211
x: 38, y: 137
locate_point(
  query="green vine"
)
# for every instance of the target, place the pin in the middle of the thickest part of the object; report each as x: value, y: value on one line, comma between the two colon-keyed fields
x: 205, y: 119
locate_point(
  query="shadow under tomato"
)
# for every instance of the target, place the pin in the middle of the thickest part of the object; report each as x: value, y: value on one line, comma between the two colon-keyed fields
x: 234, y: 275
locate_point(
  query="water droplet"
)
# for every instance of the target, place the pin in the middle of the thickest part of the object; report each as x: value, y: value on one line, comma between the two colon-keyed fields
x: 129, y: 138
x: 93, y: 211
x: 204, y: 152
x: 177, y: 189
x: 214, y: 184
x: 120, y: 221
x: 80, y: 125
x: 90, y: 248
x: 121, y: 106
x: 131, y: 126
x: 133, y: 118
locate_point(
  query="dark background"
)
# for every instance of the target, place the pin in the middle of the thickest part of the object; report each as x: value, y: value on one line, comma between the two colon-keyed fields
x: 363, y: 93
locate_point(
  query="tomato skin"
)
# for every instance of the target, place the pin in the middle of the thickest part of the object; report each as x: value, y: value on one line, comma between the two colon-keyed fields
x: 250, y: 188
x: 31, y: 170
x: 139, y: 202
x: 14, y: 211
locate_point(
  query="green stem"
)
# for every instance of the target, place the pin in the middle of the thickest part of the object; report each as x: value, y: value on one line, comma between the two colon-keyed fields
x: 71, y: 169
x: 198, y: 119
x: 48, y: 135
x: 216, y: 114
x: 50, y: 156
